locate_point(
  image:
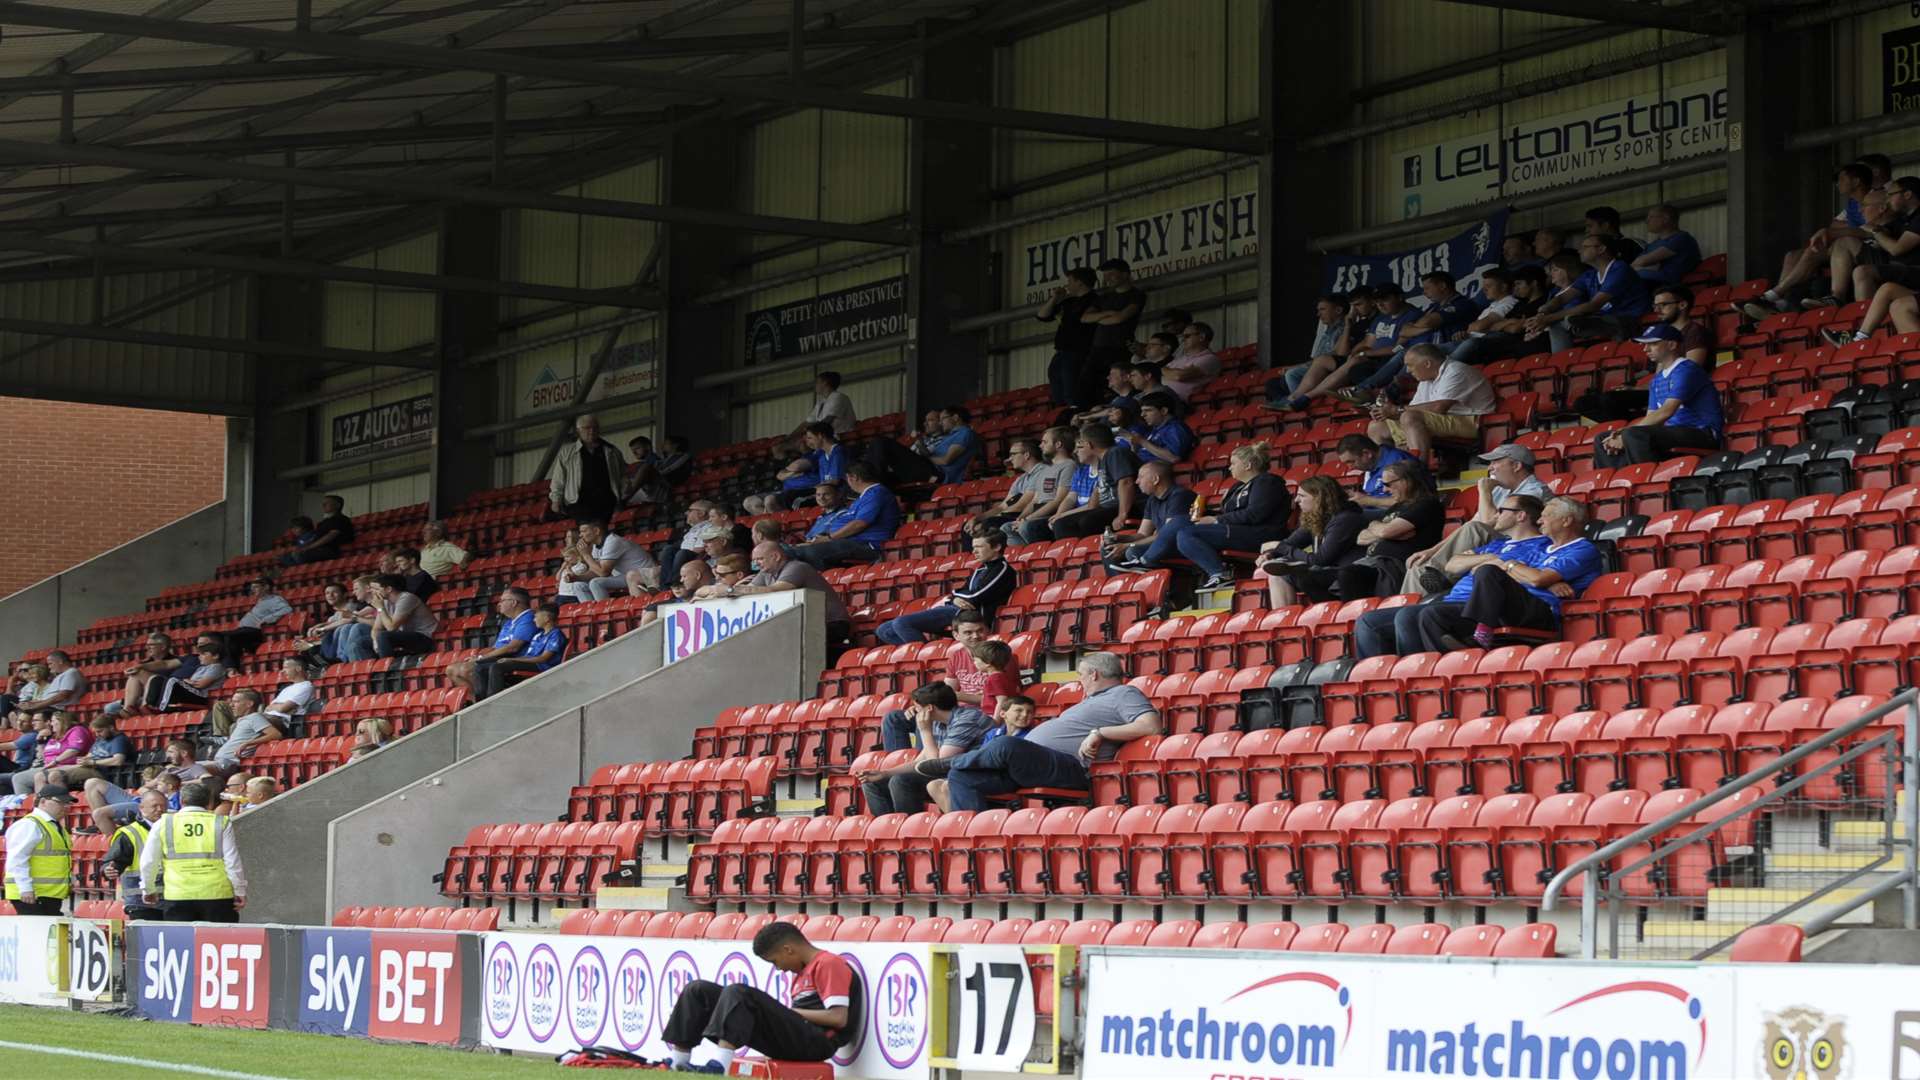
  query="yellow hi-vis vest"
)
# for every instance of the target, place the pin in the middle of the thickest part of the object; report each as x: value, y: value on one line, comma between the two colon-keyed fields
x: 190, y: 863
x: 129, y: 890
x: 51, y: 864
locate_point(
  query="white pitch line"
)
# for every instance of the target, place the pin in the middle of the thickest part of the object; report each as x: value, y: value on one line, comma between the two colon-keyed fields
x: 165, y: 1066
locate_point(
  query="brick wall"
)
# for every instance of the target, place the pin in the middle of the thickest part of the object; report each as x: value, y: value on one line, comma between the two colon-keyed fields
x: 85, y: 478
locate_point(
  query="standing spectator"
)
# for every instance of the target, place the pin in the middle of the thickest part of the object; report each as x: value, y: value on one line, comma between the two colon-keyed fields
x: 405, y: 624
x: 269, y: 607
x: 1167, y: 438
x: 778, y: 573
x: 1253, y: 511
x: 1056, y: 486
x: 991, y: 582
x: 870, y: 522
x: 39, y: 866
x: 154, y: 665
x: 830, y: 406
x: 1195, y: 365
x: 67, y: 743
x: 1674, y: 305
x: 1447, y: 403
x: 1509, y: 473
x: 1683, y: 408
x: 1101, y: 494
x: 1833, y: 245
x: 192, y: 860
x: 542, y: 652
x: 588, y: 475
x: 195, y: 690
x: 1370, y: 460
x: 954, y: 451
x: 827, y: 1000
x: 1310, y: 559
x: 1072, y: 338
x: 1673, y: 253
x: 516, y: 630
x: 1167, y: 506
x: 1604, y: 222
x: 607, y: 558
x: 1606, y: 300
x: 122, y: 864
x: 1114, y: 314
x: 1448, y: 313
x: 333, y: 531
x: 1056, y: 753
x: 1412, y: 523
x: 943, y: 728
x: 440, y: 556
x: 1003, y: 673
x: 63, y: 688
x: 1518, y: 590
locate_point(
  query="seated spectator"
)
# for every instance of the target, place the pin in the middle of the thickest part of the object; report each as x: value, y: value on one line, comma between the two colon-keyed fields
x: 588, y: 475
x: 152, y: 669
x: 1412, y: 523
x: 825, y: 462
x: 302, y: 528
x: 1072, y: 338
x: 692, y: 541
x: 1003, y: 673
x: 645, y: 486
x: 109, y: 748
x: 726, y: 522
x: 1056, y: 448
x: 1602, y: 298
x: 1671, y: 254
x: 1055, y: 753
x: 1123, y: 418
x: 694, y: 576
x: 870, y: 522
x: 1157, y: 350
x: 1604, y: 222
x: 1120, y: 383
x: 1448, y: 313
x: 24, y: 683
x: 1310, y: 559
x: 778, y: 573
x: 1499, y: 331
x: 1673, y: 303
x: 405, y: 624
x: 67, y: 743
x: 371, y: 734
x: 254, y: 729
x: 1516, y: 519
x: 1101, y: 493
x: 269, y: 607
x: 770, y: 529
x: 964, y: 673
x: 954, y: 451
x: 543, y: 652
x: 598, y: 565
x: 1166, y: 438
x: 194, y: 690
x: 1520, y: 589
x: 61, y: 686
x: 113, y: 805
x: 333, y: 531
x: 1253, y: 511
x: 1548, y: 243
x: 1387, y: 631
x: 1144, y: 379
x: 1509, y: 473
x: 344, y: 604
x: 1516, y: 252
x: 1030, y: 473
x: 828, y: 998
x: 23, y: 748
x: 1835, y: 245
x: 991, y: 582
x: 1447, y: 403
x: 258, y: 789
x: 942, y: 728
x: 1370, y: 459
x: 1385, y: 336
x: 406, y: 563
x: 1167, y: 505
x: 831, y: 406
x: 1889, y: 270
x: 1331, y: 312
x: 676, y: 465
x: 1683, y: 408
x: 1195, y: 365
x: 515, y: 606
x: 897, y: 464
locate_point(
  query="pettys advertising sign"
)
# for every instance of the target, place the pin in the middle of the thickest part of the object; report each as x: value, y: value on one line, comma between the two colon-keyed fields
x: 390, y: 984
x: 696, y: 626
x: 551, y: 994
x: 832, y: 320
x: 201, y: 974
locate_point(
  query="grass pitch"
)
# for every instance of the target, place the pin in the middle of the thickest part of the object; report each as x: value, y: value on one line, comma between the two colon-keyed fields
x: 181, y: 1050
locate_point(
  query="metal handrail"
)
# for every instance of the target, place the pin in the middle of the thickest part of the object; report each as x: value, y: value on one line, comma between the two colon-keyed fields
x: 1592, y: 862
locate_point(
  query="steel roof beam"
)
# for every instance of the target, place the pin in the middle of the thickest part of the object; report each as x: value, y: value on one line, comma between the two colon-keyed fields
x: 407, y: 135
x: 757, y: 90
x: 1652, y: 15
x: 156, y: 339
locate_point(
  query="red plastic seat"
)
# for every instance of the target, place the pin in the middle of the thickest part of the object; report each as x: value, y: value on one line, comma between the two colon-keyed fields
x: 1471, y: 941
x: 1533, y: 941
x: 1772, y: 944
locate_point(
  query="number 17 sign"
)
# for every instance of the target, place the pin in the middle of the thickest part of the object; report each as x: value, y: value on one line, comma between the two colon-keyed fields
x: 993, y: 1008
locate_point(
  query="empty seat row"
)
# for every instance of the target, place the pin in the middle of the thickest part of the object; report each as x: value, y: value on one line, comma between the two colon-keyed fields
x: 380, y: 917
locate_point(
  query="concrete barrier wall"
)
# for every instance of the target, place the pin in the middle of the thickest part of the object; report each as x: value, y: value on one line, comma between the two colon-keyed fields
x: 388, y: 851
x: 288, y: 889
x: 114, y: 582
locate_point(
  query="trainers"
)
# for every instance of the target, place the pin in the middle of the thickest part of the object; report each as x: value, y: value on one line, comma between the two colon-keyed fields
x: 1836, y: 336
x: 1433, y: 580
x: 713, y: 1067
x: 1814, y: 303
x: 1353, y: 395
x: 1758, y: 310
x: 1217, y: 581
x: 1483, y: 636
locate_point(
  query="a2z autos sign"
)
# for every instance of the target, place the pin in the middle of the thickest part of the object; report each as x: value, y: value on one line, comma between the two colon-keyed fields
x: 552, y: 994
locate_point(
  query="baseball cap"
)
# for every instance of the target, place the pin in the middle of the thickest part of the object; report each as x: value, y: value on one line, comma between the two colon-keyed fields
x: 1657, y: 332
x: 52, y: 791
x: 1510, y: 452
x: 1117, y: 264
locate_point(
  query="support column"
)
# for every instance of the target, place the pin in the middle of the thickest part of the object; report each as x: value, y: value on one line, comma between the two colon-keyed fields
x: 470, y: 246
x: 949, y: 172
x: 284, y: 310
x: 1306, y: 85
x: 700, y: 169
x: 1777, y: 83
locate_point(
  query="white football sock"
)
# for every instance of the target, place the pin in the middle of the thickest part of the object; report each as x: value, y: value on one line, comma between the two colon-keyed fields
x: 680, y: 1058
x: 725, y: 1059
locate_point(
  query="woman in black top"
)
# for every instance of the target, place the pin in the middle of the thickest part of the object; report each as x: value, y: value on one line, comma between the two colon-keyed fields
x: 1413, y: 523
x: 1251, y: 513
x: 1309, y: 561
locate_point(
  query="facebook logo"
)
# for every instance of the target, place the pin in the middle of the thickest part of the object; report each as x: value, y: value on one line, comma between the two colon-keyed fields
x: 1410, y: 170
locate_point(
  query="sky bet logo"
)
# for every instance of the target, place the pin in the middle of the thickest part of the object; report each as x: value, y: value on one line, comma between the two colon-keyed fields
x: 210, y: 975
x: 388, y: 984
x: 1240, y: 1031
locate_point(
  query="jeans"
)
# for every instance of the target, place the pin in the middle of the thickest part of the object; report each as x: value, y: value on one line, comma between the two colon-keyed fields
x: 606, y: 588
x: 827, y: 554
x: 1481, y: 350
x: 897, y: 732
x: 491, y: 675
x: 901, y: 793
x: 355, y: 641
x: 1200, y: 544
x: 1004, y: 766
x: 1383, y: 376
x: 402, y: 643
x: 1387, y: 631
x: 1563, y: 334
x: 918, y: 626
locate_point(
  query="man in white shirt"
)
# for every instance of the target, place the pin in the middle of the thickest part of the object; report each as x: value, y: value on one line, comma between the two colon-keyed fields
x: 607, y: 557
x: 1448, y: 404
x: 829, y: 406
x: 39, y: 867
x: 193, y: 890
x: 65, y: 687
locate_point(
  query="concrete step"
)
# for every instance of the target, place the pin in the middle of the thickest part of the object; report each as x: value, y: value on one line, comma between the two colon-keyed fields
x: 1863, y: 835
x: 639, y: 898
x: 1745, y: 906
x: 1826, y: 864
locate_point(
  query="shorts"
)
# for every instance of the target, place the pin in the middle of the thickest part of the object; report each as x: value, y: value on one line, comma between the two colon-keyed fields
x: 123, y: 812
x: 1451, y: 426
x: 1905, y: 275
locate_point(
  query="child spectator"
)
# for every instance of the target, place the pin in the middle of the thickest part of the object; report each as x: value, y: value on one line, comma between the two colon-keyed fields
x: 1003, y: 678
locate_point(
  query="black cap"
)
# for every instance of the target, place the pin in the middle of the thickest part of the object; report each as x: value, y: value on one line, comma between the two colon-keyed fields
x: 53, y: 791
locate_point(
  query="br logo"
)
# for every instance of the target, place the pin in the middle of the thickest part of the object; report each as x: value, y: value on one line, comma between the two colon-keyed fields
x: 633, y: 993
x: 503, y: 989
x: 902, y: 1020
